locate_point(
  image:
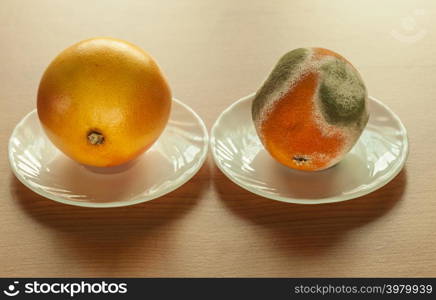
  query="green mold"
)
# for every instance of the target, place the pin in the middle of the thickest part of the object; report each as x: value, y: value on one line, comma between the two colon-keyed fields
x: 342, y: 94
x: 284, y: 69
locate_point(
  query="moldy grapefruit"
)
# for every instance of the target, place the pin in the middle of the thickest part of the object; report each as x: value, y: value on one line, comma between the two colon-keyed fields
x: 311, y: 110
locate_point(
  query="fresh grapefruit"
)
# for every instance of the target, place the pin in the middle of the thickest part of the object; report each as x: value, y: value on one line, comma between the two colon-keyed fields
x: 103, y: 101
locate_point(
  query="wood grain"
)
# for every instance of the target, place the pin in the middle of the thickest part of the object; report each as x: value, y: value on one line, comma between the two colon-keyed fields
x: 214, y: 52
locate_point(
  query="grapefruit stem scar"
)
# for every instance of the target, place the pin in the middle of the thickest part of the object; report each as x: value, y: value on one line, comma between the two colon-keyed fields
x: 95, y: 137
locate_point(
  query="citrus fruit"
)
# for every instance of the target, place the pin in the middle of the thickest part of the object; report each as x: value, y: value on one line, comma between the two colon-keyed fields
x: 103, y: 101
x: 311, y: 110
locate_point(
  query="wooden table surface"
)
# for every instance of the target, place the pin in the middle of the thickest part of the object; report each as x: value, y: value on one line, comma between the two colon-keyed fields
x: 214, y: 52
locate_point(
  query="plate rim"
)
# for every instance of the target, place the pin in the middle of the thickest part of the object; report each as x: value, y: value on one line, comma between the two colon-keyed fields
x: 200, y: 163
x: 385, y: 179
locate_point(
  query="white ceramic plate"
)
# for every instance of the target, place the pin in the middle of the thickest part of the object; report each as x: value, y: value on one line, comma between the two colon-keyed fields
x: 378, y: 156
x: 177, y: 155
